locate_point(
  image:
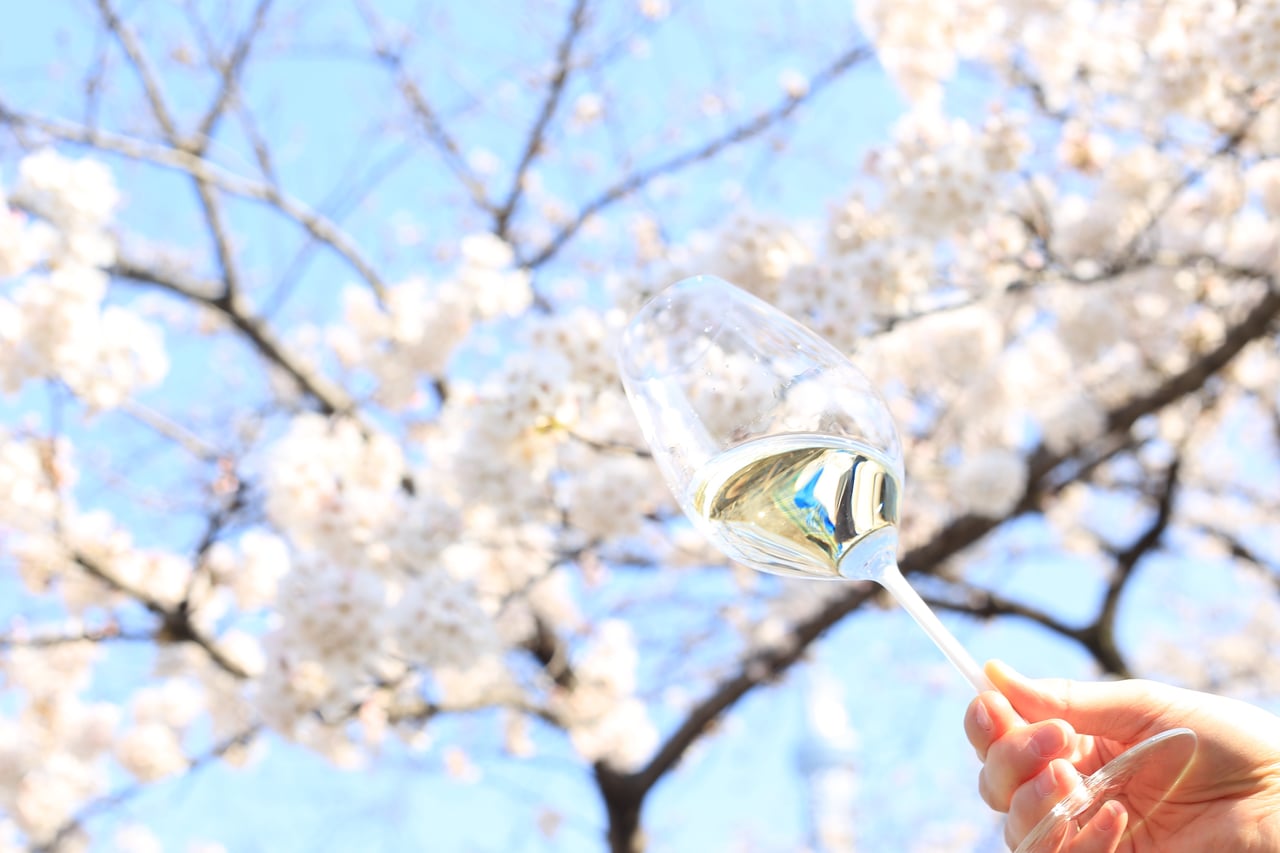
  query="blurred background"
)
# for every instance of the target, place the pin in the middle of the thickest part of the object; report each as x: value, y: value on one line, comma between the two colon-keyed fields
x: 325, y: 525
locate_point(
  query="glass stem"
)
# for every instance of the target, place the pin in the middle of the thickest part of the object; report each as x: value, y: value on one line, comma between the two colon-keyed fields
x: 911, y: 601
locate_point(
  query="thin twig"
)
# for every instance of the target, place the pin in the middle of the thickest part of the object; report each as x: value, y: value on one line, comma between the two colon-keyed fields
x: 329, y: 397
x: 109, y: 634
x: 429, y: 120
x: 535, y: 142
x: 199, y: 167
x: 128, y: 792
x: 735, y: 136
x: 146, y: 75
x: 176, y: 625
x: 231, y: 76
x: 172, y: 430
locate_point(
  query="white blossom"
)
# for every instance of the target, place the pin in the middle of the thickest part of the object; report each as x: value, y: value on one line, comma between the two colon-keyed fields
x: 333, y: 490
x: 264, y: 559
x: 1264, y: 180
x: 49, y: 792
x: 414, y: 337
x: 942, y: 175
x: 439, y: 622
x: 1073, y: 421
x: 71, y: 193
x: 18, y: 245
x: 1088, y: 323
x: 136, y: 838
x: 489, y: 277
x: 602, y: 499
x: 334, y: 615
x: 988, y: 483
x: 607, y: 722
x: 484, y: 490
x: 151, y: 751
x: 175, y: 703
x: 623, y: 736
x: 53, y: 323
x: 588, y: 108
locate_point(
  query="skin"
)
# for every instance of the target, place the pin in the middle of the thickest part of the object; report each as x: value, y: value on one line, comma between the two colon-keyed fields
x: 1036, y: 737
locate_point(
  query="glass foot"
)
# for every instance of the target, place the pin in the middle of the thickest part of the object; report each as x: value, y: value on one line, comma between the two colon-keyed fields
x: 1140, y: 779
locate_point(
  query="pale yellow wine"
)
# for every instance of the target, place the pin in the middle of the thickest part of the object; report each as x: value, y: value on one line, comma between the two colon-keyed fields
x: 796, y: 504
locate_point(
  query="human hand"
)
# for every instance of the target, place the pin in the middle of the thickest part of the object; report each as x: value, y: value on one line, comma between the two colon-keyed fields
x: 1229, y: 798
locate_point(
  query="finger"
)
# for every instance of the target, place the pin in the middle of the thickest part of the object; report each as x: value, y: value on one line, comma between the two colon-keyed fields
x: 1020, y: 756
x: 1036, y: 798
x: 988, y: 718
x: 1104, y: 831
x: 1120, y: 710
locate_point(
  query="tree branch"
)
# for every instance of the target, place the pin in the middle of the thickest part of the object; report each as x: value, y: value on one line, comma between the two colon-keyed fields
x: 735, y: 136
x: 230, y: 77
x: 421, y: 108
x: 330, y: 398
x: 985, y: 604
x: 1100, y: 637
x: 141, y: 65
x: 24, y: 639
x: 537, y: 135
x: 175, y: 622
x: 123, y: 795
x: 203, y: 169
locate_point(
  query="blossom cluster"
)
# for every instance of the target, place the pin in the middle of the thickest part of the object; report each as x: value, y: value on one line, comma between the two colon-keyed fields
x: 53, y: 755
x: 54, y: 322
x: 367, y: 592
x: 1141, y: 63
x: 414, y: 336
x: 609, y: 722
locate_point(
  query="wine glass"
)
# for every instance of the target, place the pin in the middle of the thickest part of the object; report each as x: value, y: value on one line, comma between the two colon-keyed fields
x: 782, y: 453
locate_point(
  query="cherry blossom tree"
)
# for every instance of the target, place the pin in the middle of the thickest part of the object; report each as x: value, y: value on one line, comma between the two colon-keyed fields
x: 307, y: 315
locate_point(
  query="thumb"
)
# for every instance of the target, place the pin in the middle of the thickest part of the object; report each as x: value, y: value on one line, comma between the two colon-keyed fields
x: 1120, y: 710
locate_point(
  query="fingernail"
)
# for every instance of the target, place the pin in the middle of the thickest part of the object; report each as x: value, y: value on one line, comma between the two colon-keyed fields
x: 1049, y: 741
x: 1001, y: 671
x: 983, y: 716
x: 1045, y: 783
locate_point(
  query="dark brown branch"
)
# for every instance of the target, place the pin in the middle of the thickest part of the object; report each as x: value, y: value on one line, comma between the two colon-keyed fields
x: 217, y: 522
x: 176, y: 624
x: 759, y: 669
x: 985, y: 604
x: 1240, y: 551
x: 1255, y: 325
x: 209, y: 201
x: 548, y: 649
x: 335, y: 207
x: 624, y: 792
x: 1100, y: 638
x: 162, y: 425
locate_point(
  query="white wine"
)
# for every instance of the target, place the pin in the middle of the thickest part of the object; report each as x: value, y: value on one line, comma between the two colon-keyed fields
x: 796, y: 504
